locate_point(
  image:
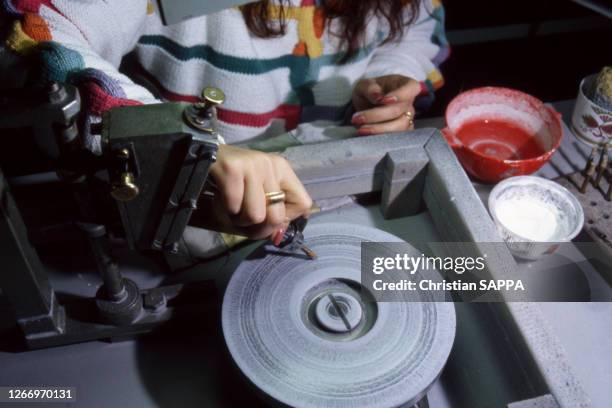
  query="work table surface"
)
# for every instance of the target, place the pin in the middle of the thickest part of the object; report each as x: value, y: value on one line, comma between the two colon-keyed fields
x: 176, y: 370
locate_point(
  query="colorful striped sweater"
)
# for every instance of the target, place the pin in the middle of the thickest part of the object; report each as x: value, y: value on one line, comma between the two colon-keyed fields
x: 272, y: 85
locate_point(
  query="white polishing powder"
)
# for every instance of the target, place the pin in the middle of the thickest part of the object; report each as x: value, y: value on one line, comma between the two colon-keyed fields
x: 529, y: 218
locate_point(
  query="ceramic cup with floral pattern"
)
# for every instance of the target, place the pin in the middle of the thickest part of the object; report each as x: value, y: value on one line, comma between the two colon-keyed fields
x: 591, y: 123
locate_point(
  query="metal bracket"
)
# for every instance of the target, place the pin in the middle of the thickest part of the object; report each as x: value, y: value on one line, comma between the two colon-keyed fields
x: 50, y: 112
x: 173, y: 163
x: 183, y: 199
x: 23, y: 279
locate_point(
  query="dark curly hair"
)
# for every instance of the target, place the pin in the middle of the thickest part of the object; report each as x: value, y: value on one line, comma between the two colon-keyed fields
x: 352, y: 14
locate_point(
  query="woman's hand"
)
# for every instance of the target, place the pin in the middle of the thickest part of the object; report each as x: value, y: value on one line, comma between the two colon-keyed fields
x: 384, y: 104
x: 243, y: 177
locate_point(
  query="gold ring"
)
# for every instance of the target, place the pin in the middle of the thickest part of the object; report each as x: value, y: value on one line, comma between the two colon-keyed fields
x: 275, y: 197
x: 408, y: 115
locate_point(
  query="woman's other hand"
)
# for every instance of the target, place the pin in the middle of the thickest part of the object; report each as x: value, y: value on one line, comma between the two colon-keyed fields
x: 384, y: 104
x: 243, y: 177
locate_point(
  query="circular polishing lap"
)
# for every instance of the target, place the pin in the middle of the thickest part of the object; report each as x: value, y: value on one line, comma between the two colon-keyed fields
x: 307, y: 334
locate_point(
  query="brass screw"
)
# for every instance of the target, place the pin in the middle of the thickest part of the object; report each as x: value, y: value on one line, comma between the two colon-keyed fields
x: 123, y: 154
x: 209, y: 98
x: 212, y: 96
x: 199, y: 114
x: 125, y: 190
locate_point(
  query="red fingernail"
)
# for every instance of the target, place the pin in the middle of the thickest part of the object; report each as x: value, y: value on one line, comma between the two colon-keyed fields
x: 365, y: 132
x: 358, y: 119
x: 278, y: 237
x: 389, y: 100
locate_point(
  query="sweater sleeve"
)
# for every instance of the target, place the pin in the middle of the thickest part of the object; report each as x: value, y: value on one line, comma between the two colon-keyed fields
x: 418, y: 53
x: 82, y: 42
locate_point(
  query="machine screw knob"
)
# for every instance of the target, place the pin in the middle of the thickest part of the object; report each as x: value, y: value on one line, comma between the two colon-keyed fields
x: 212, y: 97
x: 202, y: 114
x: 125, y: 189
x: 123, y: 154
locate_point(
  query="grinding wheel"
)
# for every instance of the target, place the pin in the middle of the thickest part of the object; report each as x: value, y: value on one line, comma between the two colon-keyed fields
x: 306, y: 334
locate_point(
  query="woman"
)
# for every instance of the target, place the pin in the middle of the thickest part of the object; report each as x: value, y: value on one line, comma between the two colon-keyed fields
x: 280, y: 63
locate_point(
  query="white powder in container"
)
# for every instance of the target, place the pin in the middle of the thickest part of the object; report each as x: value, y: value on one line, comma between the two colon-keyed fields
x: 530, y: 218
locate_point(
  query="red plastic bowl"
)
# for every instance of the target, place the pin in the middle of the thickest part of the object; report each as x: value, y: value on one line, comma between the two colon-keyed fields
x: 498, y: 133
